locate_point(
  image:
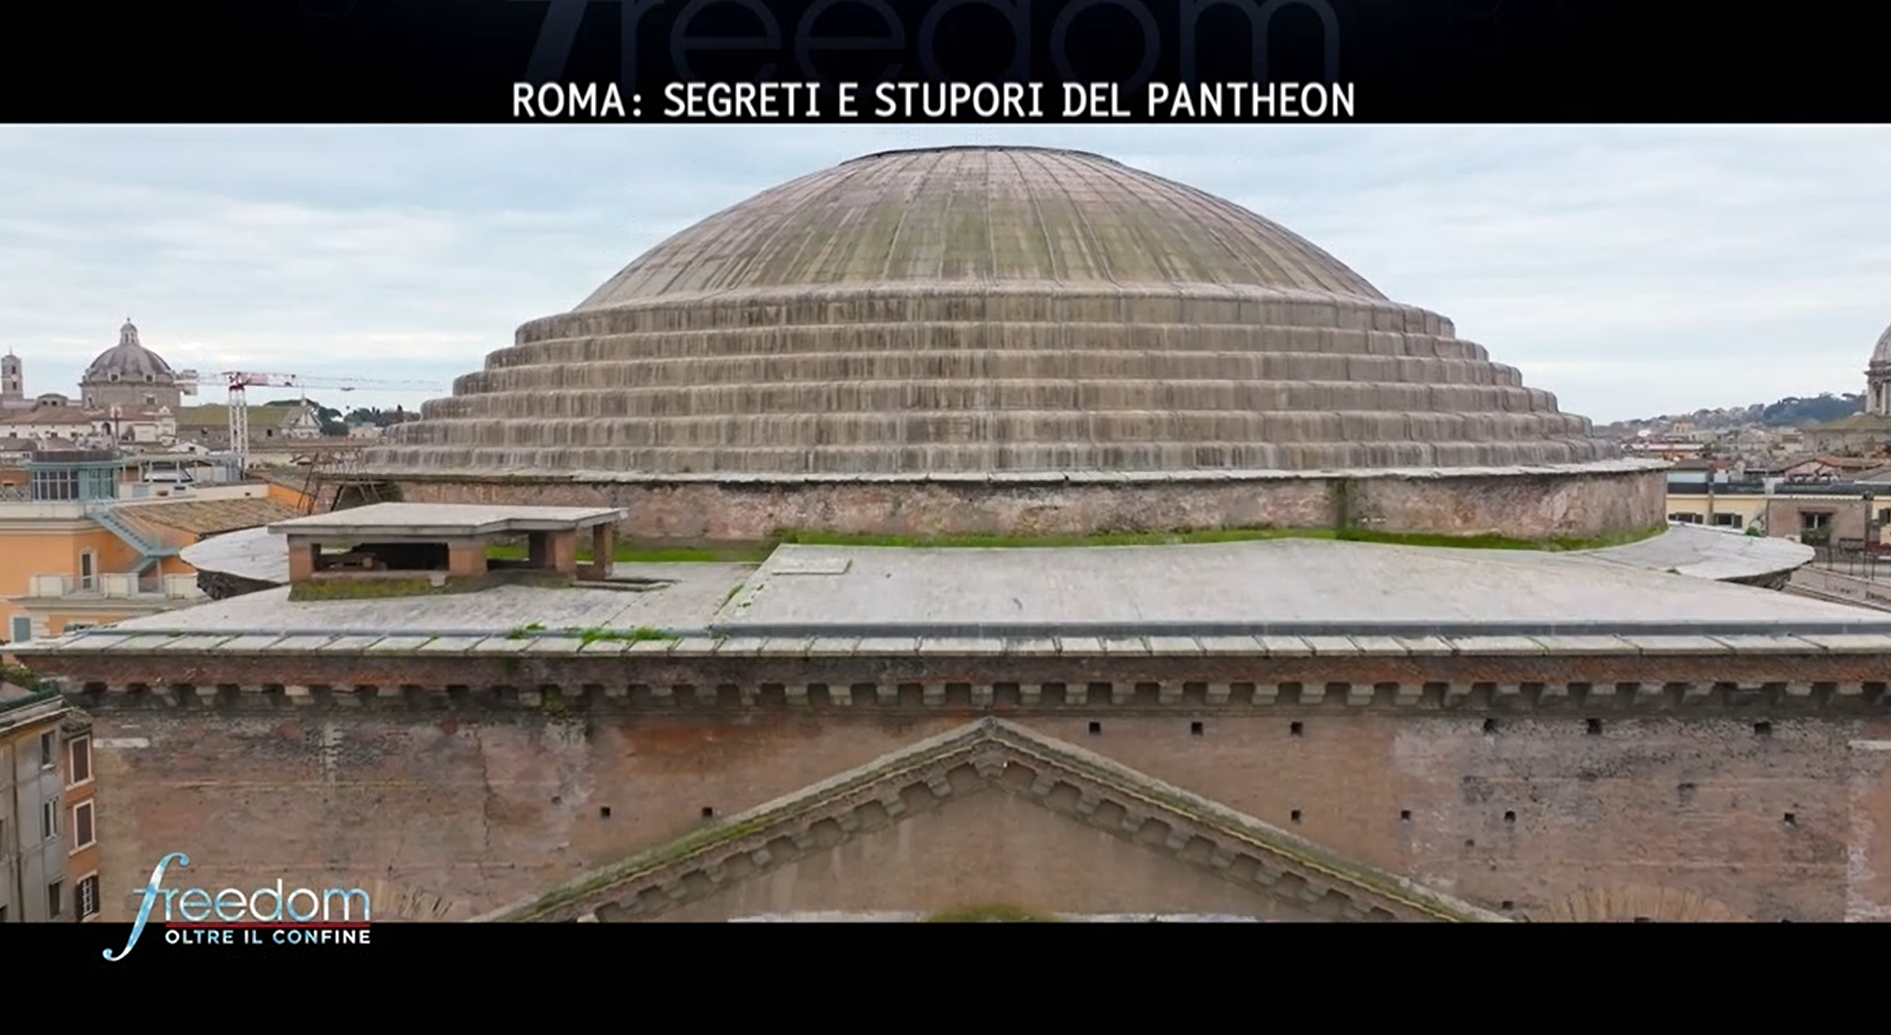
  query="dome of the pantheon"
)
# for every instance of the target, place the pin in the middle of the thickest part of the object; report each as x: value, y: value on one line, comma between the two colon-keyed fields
x: 987, y: 309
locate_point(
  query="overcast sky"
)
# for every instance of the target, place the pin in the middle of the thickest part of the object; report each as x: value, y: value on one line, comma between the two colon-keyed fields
x: 1632, y: 271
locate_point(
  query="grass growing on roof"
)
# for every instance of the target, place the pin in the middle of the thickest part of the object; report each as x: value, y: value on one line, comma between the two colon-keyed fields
x: 755, y: 553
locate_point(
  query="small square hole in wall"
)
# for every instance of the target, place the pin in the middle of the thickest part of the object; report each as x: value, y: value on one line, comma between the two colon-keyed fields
x: 1595, y: 727
x: 708, y: 812
x: 1195, y: 729
x: 1096, y: 728
x: 1506, y: 904
x: 1791, y: 819
x: 1490, y: 725
x: 1294, y: 815
x: 1405, y: 815
x: 604, y: 812
x: 1297, y: 729
x: 1510, y: 817
x: 1470, y: 843
x: 1762, y: 729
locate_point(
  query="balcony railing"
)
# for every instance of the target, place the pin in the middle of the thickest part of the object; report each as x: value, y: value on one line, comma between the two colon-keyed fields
x: 115, y: 587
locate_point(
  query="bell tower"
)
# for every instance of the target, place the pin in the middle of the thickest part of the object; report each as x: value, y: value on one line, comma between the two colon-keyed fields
x: 12, y: 383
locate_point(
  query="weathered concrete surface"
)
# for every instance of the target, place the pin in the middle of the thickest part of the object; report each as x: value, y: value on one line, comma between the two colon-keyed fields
x: 1576, y: 504
x: 1337, y: 588
x: 987, y: 309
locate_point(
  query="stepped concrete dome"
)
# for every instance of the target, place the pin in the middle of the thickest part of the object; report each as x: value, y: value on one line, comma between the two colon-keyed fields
x: 130, y: 361
x: 969, y: 314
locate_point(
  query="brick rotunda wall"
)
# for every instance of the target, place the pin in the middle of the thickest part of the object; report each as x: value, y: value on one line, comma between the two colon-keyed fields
x: 1599, y: 504
x: 1536, y: 814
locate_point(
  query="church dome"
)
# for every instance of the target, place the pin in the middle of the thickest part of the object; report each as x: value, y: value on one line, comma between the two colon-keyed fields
x: 1882, y: 354
x: 987, y: 310
x: 128, y: 361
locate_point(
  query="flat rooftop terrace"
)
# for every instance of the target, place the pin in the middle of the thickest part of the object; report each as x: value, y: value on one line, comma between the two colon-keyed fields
x: 1262, y: 597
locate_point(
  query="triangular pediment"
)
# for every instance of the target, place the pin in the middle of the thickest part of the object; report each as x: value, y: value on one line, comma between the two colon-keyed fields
x: 1006, y: 768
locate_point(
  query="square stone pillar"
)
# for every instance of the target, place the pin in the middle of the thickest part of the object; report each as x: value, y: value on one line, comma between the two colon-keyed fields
x: 561, y: 552
x: 302, y: 560
x: 466, y: 560
x: 603, y: 549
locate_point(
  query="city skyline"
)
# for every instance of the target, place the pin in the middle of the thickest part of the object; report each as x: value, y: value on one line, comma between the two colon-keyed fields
x: 1631, y: 271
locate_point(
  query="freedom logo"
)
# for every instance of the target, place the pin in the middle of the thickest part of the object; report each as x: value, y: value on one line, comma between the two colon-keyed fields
x: 196, y: 916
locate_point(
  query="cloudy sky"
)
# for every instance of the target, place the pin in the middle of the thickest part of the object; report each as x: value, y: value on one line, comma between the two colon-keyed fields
x: 1632, y: 271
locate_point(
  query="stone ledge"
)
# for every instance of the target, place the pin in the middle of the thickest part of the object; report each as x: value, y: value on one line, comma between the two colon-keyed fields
x: 1068, y: 640
x: 1598, y: 467
x: 1222, y: 700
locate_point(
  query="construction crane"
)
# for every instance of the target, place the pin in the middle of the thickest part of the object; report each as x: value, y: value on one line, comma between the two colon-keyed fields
x: 238, y: 382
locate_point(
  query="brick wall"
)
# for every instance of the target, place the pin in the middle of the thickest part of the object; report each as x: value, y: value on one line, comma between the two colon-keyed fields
x: 1788, y: 820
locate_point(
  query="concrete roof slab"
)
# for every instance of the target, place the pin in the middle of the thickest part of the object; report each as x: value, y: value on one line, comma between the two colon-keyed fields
x: 1285, y: 646
x: 1676, y: 645
x: 1497, y: 645
x: 1240, y: 646
x: 452, y: 644
x: 1769, y: 645
x: 396, y: 644
x: 194, y: 643
x: 1174, y: 645
x: 1849, y: 644
x: 1584, y: 644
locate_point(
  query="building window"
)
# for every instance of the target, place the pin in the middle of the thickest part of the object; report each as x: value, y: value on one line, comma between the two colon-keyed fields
x: 85, y: 896
x: 1814, y: 521
x: 48, y: 751
x: 1685, y: 517
x: 1726, y: 520
x: 22, y: 629
x: 55, y: 899
x: 83, y: 836
x: 1884, y: 516
x: 150, y: 400
x: 79, y: 755
x: 49, y: 819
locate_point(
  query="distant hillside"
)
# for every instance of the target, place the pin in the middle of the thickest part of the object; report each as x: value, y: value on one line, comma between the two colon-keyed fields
x: 1790, y: 412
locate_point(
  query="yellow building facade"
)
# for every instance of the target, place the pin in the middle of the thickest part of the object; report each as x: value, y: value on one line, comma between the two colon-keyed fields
x: 81, y: 545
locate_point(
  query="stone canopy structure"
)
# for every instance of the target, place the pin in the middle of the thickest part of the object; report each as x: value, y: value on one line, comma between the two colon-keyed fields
x: 1046, y: 317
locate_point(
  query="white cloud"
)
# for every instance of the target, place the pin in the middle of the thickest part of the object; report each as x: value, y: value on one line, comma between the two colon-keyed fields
x: 1628, y: 270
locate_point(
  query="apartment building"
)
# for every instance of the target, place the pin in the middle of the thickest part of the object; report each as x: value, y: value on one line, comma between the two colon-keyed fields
x: 86, y: 540
x: 48, y: 818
